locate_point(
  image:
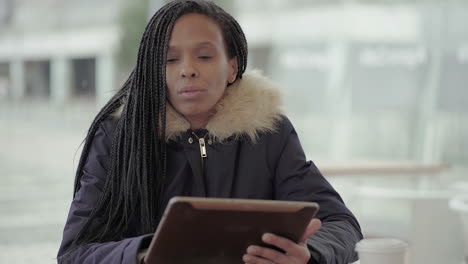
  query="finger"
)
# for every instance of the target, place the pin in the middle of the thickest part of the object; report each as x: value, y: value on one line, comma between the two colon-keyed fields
x: 250, y: 259
x: 268, y: 253
x: 290, y: 247
x: 311, y: 229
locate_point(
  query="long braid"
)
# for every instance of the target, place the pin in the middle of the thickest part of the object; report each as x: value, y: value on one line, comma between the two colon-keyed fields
x: 113, y: 104
x: 136, y: 175
x: 159, y: 106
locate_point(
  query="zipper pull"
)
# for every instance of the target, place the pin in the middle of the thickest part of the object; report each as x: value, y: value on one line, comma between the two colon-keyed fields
x: 202, y: 147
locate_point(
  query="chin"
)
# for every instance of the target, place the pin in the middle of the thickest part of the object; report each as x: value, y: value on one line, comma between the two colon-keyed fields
x: 192, y: 111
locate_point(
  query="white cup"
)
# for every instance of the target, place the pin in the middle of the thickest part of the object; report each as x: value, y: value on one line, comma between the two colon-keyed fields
x: 382, y: 251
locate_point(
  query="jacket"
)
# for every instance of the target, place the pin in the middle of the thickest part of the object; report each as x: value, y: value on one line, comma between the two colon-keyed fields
x: 252, y: 152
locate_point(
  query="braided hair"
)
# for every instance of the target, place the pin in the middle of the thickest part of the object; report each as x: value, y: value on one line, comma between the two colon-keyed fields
x: 134, y: 184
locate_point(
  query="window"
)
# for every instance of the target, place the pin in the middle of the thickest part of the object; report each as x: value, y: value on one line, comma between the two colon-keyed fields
x: 84, y: 77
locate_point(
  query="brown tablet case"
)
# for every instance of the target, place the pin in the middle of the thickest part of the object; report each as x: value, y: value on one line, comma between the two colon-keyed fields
x: 215, y: 230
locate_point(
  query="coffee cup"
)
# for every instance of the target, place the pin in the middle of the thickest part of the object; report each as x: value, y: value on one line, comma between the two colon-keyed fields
x: 382, y: 251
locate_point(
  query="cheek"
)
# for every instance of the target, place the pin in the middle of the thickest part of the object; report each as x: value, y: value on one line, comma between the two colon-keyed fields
x: 170, y: 83
x: 219, y: 83
x: 171, y: 94
x: 221, y: 76
x: 169, y: 76
x: 216, y: 96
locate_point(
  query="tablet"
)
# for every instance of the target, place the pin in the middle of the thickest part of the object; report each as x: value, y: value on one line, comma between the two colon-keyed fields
x: 215, y: 230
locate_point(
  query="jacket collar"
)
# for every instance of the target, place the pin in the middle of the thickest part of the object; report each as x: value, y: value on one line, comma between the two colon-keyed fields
x: 249, y: 107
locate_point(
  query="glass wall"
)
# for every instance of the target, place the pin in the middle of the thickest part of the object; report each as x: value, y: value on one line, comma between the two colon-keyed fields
x: 377, y: 91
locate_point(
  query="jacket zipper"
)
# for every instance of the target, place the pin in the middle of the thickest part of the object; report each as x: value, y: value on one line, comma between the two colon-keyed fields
x: 201, y: 142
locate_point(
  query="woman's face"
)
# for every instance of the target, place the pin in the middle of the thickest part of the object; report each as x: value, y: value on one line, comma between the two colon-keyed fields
x: 198, y: 68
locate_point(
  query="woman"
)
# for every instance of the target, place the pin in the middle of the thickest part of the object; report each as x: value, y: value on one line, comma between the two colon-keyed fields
x: 189, y: 122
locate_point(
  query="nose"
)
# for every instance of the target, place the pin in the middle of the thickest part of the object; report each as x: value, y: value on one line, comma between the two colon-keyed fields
x: 188, y: 69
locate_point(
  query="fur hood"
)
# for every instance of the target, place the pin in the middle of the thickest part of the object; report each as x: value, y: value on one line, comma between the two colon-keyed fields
x: 250, y: 106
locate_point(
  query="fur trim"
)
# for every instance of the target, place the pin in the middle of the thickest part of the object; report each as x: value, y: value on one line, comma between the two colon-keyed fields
x: 249, y: 107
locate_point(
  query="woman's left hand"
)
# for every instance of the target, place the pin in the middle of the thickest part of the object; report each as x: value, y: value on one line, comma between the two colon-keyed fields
x: 296, y: 253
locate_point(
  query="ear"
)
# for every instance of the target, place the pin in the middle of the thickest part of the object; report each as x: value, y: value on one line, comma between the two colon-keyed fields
x: 233, y: 69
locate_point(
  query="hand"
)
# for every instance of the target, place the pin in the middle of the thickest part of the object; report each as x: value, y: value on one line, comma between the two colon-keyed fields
x: 296, y: 253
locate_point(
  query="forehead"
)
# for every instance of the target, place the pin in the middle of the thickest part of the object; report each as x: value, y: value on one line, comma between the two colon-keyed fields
x: 192, y: 29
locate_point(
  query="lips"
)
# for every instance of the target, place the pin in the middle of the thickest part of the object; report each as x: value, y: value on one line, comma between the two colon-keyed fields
x: 191, y: 92
x: 190, y: 89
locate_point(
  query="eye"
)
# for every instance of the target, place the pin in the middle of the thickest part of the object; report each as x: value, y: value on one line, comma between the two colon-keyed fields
x: 170, y: 60
x: 205, y: 57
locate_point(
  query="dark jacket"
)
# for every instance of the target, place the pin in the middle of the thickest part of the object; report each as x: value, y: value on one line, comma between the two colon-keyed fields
x: 261, y: 160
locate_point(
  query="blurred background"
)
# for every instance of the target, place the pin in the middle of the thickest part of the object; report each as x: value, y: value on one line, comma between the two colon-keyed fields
x: 377, y: 90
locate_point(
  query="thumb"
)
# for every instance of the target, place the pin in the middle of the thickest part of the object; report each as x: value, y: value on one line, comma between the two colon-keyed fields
x: 311, y: 229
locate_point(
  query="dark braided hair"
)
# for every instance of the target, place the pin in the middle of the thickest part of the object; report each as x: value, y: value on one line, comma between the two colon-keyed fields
x: 134, y: 185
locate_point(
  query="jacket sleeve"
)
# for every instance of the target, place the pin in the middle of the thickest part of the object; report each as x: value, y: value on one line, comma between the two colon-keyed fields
x: 92, y: 183
x: 300, y: 180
